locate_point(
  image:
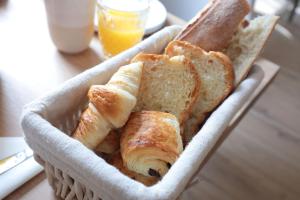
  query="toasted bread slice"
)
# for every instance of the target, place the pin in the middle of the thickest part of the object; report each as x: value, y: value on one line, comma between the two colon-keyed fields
x: 168, y: 84
x: 243, y: 49
x: 216, y: 73
x: 217, y: 78
x: 247, y: 44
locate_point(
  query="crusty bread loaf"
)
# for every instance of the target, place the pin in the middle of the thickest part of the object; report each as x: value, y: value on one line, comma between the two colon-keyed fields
x: 213, y: 27
x: 151, y: 142
x: 247, y: 44
x: 243, y: 49
x: 217, y: 78
x: 168, y: 84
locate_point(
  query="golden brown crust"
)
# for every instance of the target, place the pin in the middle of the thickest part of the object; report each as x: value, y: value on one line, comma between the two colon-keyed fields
x: 106, y: 101
x: 86, y: 124
x: 170, y: 50
x: 110, y: 144
x: 113, y: 103
x: 194, y: 51
x: 150, y: 135
x: 213, y: 27
x: 116, y: 161
x: 229, y: 75
x: 158, y: 60
x: 110, y: 106
x: 128, y: 78
x: 92, y: 127
x: 195, y: 93
x: 145, y: 129
x: 145, y: 56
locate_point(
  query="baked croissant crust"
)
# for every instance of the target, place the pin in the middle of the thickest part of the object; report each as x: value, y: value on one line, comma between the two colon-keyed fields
x: 113, y: 103
x: 116, y: 161
x: 127, y: 78
x: 110, y: 105
x: 92, y: 128
x: 110, y: 144
x: 151, y: 142
x: 117, y: 98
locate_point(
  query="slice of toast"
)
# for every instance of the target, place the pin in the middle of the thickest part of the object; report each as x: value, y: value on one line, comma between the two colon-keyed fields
x: 168, y: 84
x: 243, y: 49
x: 217, y: 78
x: 247, y: 44
x: 215, y: 71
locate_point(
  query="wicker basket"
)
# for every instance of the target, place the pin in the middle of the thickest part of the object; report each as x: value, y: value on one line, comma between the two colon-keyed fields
x: 75, y: 172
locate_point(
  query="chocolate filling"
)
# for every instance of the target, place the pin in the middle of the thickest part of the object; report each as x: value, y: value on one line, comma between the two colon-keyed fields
x: 169, y: 165
x: 153, y: 172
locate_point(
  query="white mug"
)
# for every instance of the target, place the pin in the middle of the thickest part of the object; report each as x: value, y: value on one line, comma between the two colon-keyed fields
x: 70, y: 23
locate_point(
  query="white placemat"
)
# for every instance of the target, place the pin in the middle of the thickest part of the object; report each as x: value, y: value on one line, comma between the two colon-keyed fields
x: 20, y: 174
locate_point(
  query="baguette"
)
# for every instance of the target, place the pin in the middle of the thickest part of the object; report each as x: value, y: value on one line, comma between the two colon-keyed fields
x: 213, y: 27
x: 247, y: 44
x: 243, y: 49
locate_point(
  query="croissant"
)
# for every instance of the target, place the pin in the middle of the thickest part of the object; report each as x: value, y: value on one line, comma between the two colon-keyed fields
x: 151, y: 142
x: 110, y: 144
x: 127, y: 78
x: 110, y: 105
x: 117, y: 98
x: 92, y: 128
x: 113, y: 103
x: 116, y: 161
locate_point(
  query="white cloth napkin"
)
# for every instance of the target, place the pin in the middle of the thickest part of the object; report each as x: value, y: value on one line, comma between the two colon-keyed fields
x: 20, y: 174
x: 11, y: 145
x: 48, y: 122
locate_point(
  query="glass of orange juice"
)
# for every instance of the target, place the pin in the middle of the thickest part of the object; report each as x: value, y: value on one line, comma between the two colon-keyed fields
x: 121, y: 24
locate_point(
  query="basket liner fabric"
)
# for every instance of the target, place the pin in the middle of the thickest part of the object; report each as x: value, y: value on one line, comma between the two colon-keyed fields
x: 48, y: 122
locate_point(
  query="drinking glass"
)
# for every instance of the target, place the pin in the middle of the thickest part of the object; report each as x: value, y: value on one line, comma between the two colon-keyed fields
x: 121, y: 24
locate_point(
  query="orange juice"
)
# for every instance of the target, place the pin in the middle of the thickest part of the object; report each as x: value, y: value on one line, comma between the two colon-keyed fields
x: 119, y: 30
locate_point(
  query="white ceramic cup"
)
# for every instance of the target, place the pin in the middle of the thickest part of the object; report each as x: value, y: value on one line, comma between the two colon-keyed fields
x: 70, y: 23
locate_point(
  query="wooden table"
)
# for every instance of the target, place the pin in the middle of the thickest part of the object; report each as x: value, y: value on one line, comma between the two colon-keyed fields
x: 30, y: 66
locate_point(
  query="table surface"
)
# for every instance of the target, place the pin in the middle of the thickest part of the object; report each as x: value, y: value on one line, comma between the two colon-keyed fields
x: 30, y: 66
